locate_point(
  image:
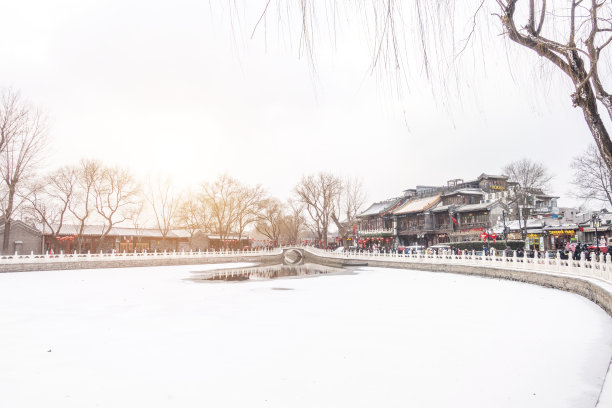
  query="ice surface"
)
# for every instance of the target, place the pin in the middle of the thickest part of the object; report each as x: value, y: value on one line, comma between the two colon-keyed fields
x: 145, y: 337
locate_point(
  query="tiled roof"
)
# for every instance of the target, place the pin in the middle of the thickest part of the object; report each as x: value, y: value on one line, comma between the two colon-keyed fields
x: 443, y: 208
x: 476, y: 191
x: 380, y: 207
x: 418, y: 205
x: 97, y: 230
x: 485, y: 175
x: 477, y: 207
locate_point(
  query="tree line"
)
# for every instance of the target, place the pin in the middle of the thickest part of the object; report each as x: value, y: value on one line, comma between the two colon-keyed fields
x: 93, y: 193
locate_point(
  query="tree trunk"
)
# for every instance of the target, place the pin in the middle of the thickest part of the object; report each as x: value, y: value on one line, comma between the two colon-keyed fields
x: 7, y: 221
x: 7, y: 231
x: 80, y: 237
x: 103, y: 237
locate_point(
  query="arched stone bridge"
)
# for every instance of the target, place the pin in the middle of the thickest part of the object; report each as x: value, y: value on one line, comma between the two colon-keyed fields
x: 293, y: 256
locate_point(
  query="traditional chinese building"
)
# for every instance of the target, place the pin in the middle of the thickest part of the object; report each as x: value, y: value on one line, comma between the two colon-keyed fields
x: 376, y: 223
x: 415, y: 221
x: 119, y: 239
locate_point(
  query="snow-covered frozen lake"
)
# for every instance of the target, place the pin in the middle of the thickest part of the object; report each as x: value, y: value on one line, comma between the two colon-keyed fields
x: 145, y: 337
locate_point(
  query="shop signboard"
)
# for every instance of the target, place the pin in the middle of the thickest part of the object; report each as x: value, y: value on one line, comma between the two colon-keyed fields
x: 567, y: 232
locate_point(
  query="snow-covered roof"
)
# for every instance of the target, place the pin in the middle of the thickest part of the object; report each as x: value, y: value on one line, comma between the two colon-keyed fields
x: 491, y: 176
x: 417, y: 205
x: 477, y: 207
x: 234, y: 237
x: 561, y: 226
x: 473, y: 191
x: 442, y: 208
x: 97, y: 230
x: 380, y: 207
x: 544, y: 196
x: 18, y: 223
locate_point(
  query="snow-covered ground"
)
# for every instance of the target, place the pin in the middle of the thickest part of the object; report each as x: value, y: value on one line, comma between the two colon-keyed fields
x: 144, y: 337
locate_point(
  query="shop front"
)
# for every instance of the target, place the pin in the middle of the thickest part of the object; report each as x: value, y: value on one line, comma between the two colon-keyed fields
x: 559, y: 238
x: 465, y: 235
x: 375, y: 242
x: 591, y: 235
x: 442, y: 238
x: 534, y: 241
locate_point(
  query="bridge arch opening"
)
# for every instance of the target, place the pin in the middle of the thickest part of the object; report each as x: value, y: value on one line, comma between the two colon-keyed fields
x: 293, y: 257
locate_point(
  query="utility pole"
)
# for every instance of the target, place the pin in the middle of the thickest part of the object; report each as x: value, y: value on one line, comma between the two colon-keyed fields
x: 595, y: 219
x: 505, y: 228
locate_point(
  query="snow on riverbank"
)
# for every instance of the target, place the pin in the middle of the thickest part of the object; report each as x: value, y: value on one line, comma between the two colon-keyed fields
x: 382, y: 337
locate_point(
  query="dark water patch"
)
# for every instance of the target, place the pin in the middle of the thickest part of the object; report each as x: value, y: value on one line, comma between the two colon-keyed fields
x: 282, y: 288
x: 267, y: 273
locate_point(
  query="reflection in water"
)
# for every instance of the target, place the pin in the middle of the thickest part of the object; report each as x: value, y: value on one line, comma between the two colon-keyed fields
x: 266, y: 272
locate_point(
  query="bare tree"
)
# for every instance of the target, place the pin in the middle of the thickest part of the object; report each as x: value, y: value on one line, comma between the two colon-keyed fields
x: 592, y: 177
x: 15, y: 115
x: 320, y: 195
x: 220, y: 197
x: 527, y: 178
x: 270, y: 220
x: 83, y: 205
x: 115, y: 193
x: 22, y: 138
x: 136, y: 217
x: 192, y: 215
x: 249, y: 203
x: 351, y: 201
x: 49, y: 198
x: 165, y: 202
x: 41, y: 209
x: 573, y: 37
x: 293, y: 222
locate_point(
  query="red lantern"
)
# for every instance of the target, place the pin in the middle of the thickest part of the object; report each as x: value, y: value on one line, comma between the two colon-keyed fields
x: 484, y: 236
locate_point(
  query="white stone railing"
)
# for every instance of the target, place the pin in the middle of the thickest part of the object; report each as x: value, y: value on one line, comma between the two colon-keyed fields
x: 601, y: 270
x: 118, y: 256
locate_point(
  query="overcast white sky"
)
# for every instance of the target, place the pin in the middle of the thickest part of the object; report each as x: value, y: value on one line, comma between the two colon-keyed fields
x: 169, y: 87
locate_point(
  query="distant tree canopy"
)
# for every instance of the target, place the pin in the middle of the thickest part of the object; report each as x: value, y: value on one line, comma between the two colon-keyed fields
x: 573, y: 36
x: 529, y: 178
x: 592, y: 177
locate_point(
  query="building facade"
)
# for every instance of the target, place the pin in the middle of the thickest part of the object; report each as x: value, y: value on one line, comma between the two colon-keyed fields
x: 463, y: 211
